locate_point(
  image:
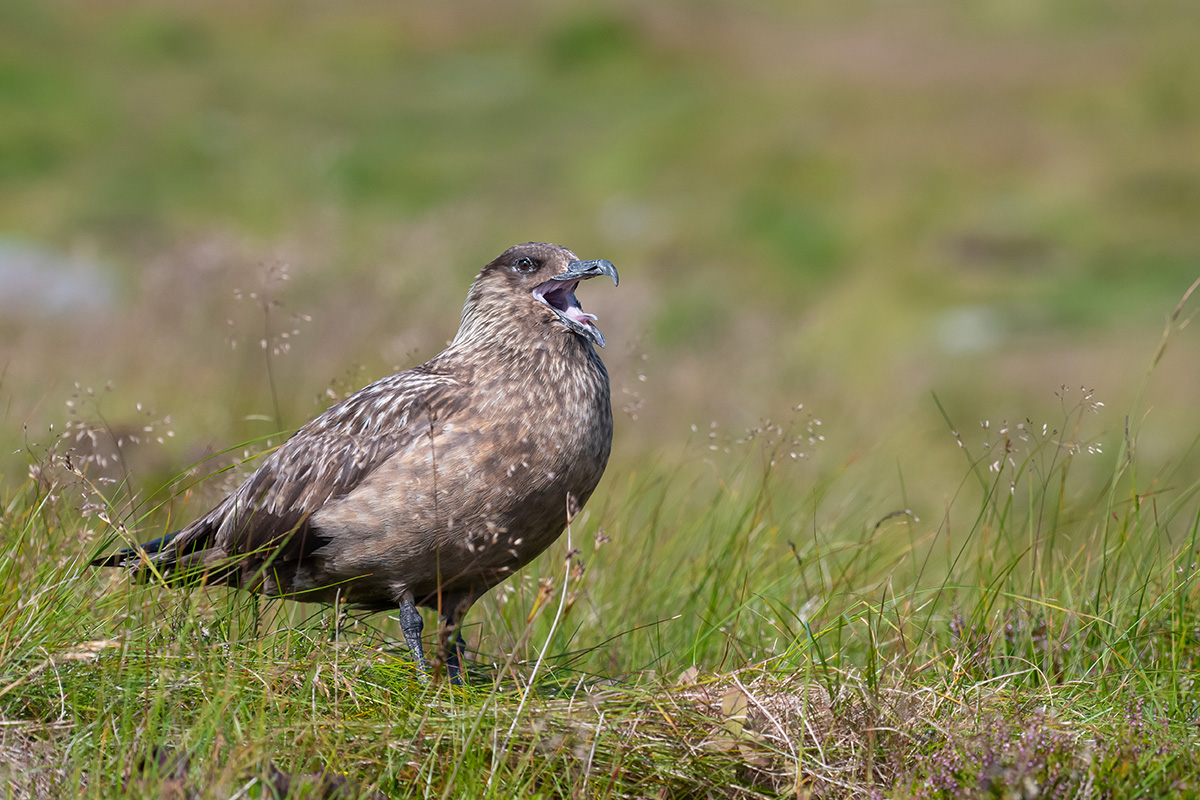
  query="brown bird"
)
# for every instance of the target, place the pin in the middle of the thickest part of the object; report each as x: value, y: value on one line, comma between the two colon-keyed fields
x: 430, y: 486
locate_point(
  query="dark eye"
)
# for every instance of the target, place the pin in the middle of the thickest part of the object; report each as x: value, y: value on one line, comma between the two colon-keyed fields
x: 525, y: 264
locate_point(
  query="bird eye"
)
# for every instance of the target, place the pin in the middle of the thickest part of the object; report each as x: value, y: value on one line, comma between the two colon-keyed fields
x: 525, y: 264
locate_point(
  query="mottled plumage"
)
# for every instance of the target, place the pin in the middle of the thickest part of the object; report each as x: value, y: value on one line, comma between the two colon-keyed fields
x: 432, y: 485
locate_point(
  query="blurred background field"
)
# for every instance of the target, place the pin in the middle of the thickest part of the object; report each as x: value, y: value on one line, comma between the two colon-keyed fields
x: 217, y: 217
x: 857, y: 242
x: 847, y: 207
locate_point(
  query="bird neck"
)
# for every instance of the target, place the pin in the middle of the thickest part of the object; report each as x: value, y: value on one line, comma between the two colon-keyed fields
x: 493, y: 325
x: 483, y: 328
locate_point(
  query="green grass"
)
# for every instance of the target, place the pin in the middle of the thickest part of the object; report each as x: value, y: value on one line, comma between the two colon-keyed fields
x: 748, y: 624
x: 911, y: 220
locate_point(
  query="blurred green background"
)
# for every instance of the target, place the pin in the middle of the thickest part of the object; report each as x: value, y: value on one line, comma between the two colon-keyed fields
x: 849, y: 206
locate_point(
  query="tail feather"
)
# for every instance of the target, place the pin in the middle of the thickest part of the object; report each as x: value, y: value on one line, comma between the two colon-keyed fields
x: 132, y: 556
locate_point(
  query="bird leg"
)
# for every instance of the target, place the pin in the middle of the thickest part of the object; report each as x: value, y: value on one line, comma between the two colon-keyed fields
x: 455, y: 648
x: 451, y: 645
x: 449, y: 650
x: 412, y: 625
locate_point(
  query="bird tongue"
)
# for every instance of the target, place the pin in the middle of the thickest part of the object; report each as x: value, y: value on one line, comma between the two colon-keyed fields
x: 562, y: 297
x: 575, y: 311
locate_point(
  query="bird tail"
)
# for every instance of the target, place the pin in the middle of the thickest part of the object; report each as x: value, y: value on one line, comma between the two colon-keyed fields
x: 134, y: 557
x: 176, y: 558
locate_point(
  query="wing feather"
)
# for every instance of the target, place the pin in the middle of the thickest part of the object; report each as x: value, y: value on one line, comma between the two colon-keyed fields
x: 323, y: 461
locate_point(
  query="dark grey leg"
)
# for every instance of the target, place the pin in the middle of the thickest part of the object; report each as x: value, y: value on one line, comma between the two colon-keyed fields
x: 450, y: 639
x: 455, y: 647
x: 411, y: 625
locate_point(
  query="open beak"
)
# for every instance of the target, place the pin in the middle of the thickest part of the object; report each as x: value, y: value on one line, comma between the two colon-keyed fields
x: 559, y: 294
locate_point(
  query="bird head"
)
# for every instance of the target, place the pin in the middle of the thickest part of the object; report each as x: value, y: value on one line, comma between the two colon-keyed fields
x: 536, y: 281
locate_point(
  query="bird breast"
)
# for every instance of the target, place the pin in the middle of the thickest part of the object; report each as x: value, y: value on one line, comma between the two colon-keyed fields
x: 485, y: 490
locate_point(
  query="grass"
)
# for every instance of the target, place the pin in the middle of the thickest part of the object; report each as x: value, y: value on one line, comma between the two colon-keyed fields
x: 913, y: 220
x: 748, y: 624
